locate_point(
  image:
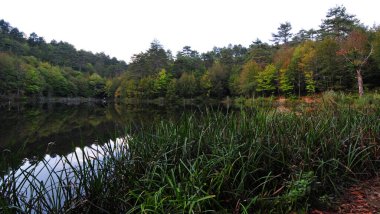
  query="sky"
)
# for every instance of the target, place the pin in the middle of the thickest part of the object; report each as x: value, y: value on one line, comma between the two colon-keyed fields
x: 121, y: 28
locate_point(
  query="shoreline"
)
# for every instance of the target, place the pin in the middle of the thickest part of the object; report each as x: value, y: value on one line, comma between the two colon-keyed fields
x: 67, y: 100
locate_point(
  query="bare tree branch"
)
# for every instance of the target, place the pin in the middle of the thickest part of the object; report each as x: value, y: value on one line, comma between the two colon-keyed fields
x: 366, y: 59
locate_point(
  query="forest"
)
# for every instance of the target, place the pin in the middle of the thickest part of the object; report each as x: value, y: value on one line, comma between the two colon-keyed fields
x: 309, y: 141
x: 342, y: 55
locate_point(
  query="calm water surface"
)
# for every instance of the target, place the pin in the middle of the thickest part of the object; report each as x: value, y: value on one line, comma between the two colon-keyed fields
x: 29, y: 132
x: 39, y: 139
x: 56, y: 129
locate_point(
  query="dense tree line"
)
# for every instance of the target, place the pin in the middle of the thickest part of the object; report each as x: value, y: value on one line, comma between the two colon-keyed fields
x: 342, y: 54
x: 30, y: 66
x: 27, y: 76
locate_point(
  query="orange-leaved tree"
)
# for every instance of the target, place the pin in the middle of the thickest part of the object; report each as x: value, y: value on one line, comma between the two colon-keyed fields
x: 356, y: 49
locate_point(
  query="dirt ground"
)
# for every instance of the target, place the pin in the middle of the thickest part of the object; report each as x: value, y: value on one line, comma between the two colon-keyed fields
x: 360, y: 198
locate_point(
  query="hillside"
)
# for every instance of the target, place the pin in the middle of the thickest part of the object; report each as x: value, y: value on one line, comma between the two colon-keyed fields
x: 30, y: 66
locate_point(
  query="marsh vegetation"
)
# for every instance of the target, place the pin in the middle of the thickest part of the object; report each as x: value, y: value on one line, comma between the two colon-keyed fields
x: 245, y: 160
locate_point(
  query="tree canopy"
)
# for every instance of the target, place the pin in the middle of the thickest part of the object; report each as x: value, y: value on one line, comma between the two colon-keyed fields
x: 341, y: 55
x: 283, y: 33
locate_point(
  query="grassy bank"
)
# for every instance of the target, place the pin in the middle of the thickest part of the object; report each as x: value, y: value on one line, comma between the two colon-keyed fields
x: 254, y: 160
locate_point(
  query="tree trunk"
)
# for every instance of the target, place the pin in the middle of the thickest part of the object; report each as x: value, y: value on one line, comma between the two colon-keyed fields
x: 360, y: 82
x: 299, y: 88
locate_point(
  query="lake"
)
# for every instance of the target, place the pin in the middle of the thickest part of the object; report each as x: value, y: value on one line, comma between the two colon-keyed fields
x: 46, y: 139
x: 33, y: 130
x: 109, y: 157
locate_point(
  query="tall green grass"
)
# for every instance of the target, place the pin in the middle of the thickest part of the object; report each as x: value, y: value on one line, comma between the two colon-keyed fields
x: 248, y: 161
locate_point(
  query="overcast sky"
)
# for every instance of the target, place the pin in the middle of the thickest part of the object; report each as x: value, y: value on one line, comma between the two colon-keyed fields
x: 122, y: 28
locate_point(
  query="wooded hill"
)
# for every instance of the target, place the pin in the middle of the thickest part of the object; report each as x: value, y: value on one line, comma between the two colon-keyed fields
x: 29, y: 66
x: 340, y: 55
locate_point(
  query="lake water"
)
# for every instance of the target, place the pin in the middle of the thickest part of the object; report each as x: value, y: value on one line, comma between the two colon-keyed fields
x: 33, y: 130
x: 38, y: 139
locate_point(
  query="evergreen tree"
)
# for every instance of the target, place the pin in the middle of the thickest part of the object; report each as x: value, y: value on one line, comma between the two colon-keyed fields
x: 283, y: 34
x: 338, y: 23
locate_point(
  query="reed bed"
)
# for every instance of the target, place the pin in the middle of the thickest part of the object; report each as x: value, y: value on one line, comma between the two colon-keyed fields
x: 247, y: 161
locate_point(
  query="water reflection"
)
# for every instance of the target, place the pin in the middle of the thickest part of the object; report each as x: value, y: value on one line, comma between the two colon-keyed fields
x: 48, y: 145
x: 57, y: 179
x: 31, y: 131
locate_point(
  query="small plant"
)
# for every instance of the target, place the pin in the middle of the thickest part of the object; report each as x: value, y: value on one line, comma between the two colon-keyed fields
x: 299, y: 190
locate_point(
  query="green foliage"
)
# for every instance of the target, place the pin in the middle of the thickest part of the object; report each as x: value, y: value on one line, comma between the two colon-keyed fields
x: 305, y: 64
x: 146, y: 88
x: 171, y: 92
x: 82, y: 84
x: 299, y: 190
x: 294, y: 72
x: 234, y: 81
x: 34, y: 82
x: 188, y: 60
x: 218, y: 76
x: 58, y: 53
x: 300, y: 69
x: 286, y: 85
x: 205, y: 83
x: 109, y: 88
x: 8, y: 74
x: 130, y: 88
x: 283, y: 34
x: 248, y: 78
x: 56, y: 83
x: 266, y: 80
x: 61, y: 74
x: 338, y: 23
x: 310, y: 83
x: 150, y: 62
x: 376, y: 47
x: 330, y: 72
x: 161, y: 82
x: 29, y: 76
x: 187, y: 85
x: 304, y: 35
x: 261, y: 53
x: 96, y: 83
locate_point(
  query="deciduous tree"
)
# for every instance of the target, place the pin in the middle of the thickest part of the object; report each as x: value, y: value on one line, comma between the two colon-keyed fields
x: 266, y: 80
x: 356, y: 50
x: 248, y: 78
x: 187, y: 85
